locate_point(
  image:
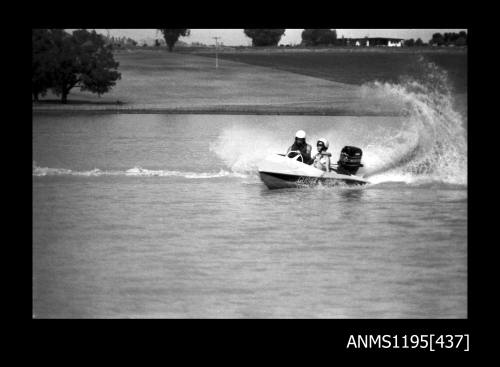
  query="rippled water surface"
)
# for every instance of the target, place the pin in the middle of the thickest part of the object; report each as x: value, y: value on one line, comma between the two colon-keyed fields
x: 165, y: 216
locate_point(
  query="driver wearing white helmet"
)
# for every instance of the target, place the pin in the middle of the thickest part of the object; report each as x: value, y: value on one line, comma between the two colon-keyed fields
x: 301, y: 145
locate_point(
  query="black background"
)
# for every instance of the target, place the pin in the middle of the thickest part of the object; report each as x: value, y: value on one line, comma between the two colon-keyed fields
x: 238, y: 341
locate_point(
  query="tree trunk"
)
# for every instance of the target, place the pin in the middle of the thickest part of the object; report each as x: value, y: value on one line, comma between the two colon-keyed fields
x: 64, y: 97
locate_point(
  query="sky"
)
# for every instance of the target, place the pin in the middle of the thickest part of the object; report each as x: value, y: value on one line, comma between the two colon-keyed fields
x: 236, y: 37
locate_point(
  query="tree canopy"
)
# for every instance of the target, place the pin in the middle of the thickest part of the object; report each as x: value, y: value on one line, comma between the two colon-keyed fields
x: 62, y: 61
x: 172, y: 36
x: 42, y: 62
x: 264, y: 37
x: 409, y: 42
x: 315, y: 37
x: 450, y: 38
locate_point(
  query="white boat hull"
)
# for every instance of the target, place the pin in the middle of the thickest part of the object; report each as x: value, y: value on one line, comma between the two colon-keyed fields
x: 277, y: 172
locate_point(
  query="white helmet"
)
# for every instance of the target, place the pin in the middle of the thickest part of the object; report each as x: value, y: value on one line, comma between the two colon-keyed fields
x: 324, y: 141
x: 301, y: 134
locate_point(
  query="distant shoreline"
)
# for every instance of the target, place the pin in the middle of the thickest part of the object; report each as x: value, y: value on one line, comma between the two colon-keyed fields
x: 215, y: 110
x: 291, y: 81
x: 336, y: 49
x: 299, y: 49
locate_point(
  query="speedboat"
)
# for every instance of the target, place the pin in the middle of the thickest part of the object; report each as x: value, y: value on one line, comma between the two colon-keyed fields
x: 279, y: 171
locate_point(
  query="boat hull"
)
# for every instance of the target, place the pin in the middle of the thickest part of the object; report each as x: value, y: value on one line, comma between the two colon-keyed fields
x: 280, y: 181
x: 279, y: 172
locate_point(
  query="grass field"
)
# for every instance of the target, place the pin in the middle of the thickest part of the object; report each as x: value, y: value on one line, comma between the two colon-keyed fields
x: 352, y: 67
x: 175, y: 82
x: 254, y: 82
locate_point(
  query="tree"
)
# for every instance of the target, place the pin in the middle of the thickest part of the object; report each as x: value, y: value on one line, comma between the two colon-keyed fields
x: 96, y: 64
x: 410, y: 42
x: 419, y: 42
x: 172, y: 36
x: 437, y: 39
x: 315, y: 37
x: 450, y: 38
x: 264, y: 37
x: 64, y: 75
x: 342, y: 41
x: 461, y: 41
x: 81, y: 59
x: 42, y: 62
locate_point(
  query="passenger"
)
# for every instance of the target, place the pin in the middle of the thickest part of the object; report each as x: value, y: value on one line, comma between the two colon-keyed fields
x: 301, y: 145
x: 322, y: 159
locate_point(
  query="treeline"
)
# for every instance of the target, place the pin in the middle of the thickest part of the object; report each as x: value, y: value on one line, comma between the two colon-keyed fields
x: 119, y: 42
x: 328, y: 37
x: 411, y: 42
x: 309, y: 38
x: 448, y: 39
x: 62, y: 61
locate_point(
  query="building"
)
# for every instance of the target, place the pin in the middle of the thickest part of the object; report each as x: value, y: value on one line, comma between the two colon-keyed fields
x: 375, y: 42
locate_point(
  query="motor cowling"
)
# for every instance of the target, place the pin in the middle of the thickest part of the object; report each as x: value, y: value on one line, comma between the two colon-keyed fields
x: 350, y: 160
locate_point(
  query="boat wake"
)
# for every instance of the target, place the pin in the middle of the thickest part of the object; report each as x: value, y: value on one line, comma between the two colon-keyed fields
x: 429, y: 145
x: 133, y: 172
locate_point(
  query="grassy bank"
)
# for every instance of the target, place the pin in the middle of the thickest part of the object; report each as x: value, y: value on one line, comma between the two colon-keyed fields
x: 357, y: 65
x: 158, y: 80
x: 315, y: 83
x: 303, y: 49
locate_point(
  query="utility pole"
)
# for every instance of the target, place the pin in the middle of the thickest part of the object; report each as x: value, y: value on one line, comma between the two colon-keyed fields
x: 216, y: 56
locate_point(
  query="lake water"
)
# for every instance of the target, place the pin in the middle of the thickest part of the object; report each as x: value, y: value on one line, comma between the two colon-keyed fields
x: 165, y: 216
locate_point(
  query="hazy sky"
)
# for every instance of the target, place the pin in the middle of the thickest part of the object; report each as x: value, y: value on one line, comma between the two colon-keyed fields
x: 236, y: 37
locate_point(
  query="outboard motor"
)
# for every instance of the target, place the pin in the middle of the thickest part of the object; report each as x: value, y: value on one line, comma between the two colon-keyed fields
x: 349, y: 161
